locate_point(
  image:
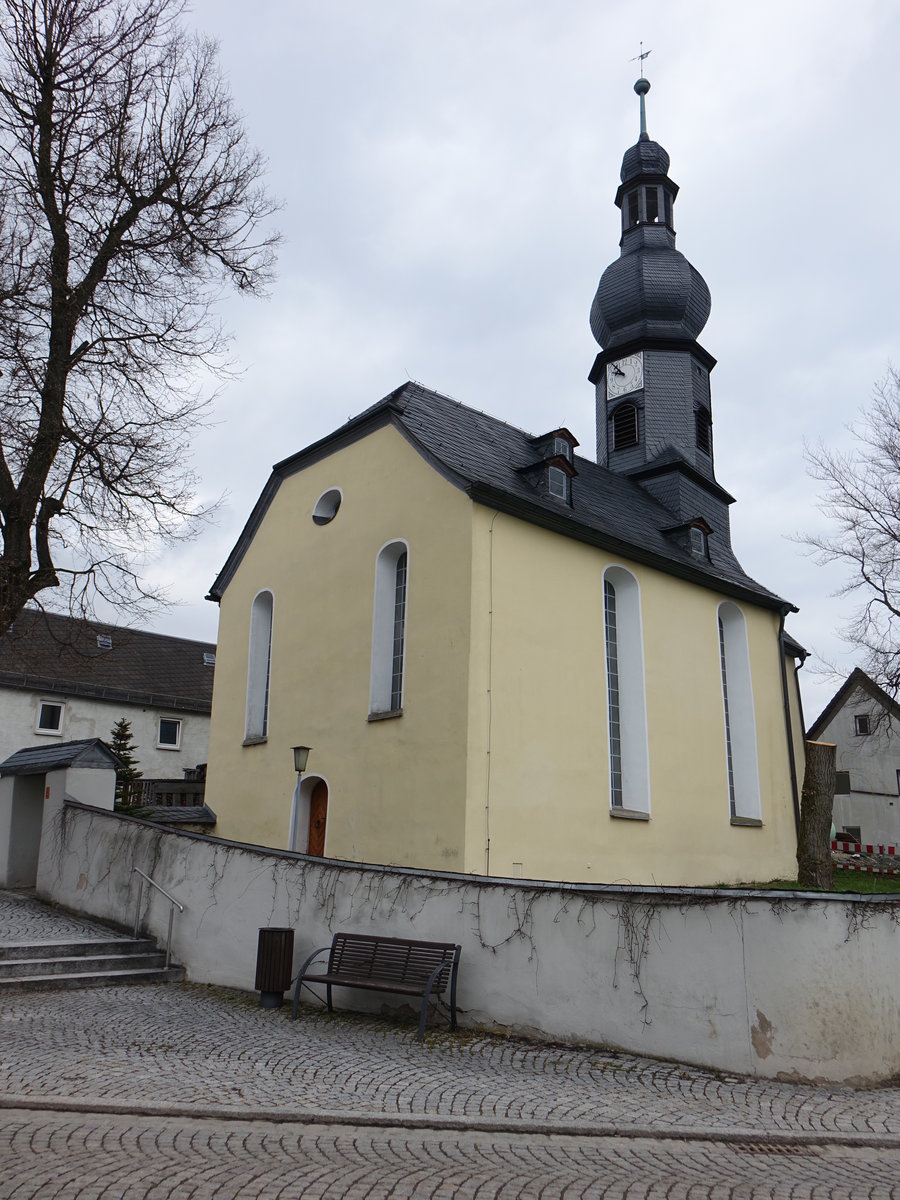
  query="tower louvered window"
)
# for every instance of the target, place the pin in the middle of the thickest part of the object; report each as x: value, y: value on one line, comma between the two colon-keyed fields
x: 625, y: 427
x: 703, y: 430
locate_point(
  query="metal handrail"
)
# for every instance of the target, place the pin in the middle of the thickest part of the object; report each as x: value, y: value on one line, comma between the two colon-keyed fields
x: 137, y: 911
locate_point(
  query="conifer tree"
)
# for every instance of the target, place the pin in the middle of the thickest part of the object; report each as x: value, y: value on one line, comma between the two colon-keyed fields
x: 122, y: 743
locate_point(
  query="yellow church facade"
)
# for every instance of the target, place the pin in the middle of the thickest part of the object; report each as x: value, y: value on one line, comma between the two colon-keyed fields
x: 507, y: 658
x: 497, y: 759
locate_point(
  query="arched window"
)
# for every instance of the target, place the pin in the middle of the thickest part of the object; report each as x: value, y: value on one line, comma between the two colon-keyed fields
x: 740, y: 722
x: 389, y: 629
x: 629, y: 763
x: 259, y: 662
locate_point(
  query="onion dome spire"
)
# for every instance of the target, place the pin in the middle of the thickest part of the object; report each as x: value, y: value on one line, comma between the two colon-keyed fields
x: 651, y: 290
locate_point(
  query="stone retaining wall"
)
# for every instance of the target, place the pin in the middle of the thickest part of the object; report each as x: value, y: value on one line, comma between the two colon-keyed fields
x: 784, y: 985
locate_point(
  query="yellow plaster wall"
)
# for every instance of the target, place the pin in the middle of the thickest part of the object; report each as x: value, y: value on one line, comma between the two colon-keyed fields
x: 538, y: 767
x: 396, y: 786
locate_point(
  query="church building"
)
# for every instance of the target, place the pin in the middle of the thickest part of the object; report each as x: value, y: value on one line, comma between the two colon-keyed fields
x: 509, y: 659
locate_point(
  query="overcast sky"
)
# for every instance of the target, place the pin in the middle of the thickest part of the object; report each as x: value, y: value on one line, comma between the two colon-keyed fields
x: 448, y: 168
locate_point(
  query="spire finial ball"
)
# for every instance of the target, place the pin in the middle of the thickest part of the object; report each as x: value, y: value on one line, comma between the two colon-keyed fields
x: 642, y: 87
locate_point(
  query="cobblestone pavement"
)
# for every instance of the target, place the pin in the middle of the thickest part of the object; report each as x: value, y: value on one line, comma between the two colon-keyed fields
x: 182, y: 1090
x: 194, y: 1048
x: 127, y: 1158
x: 24, y: 919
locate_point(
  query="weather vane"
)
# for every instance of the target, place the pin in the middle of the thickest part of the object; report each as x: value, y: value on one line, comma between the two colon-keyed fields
x: 642, y: 87
x: 640, y: 58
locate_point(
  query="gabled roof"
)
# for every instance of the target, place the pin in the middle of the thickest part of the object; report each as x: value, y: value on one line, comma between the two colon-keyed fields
x: 38, y: 760
x: 856, y: 680
x: 47, y: 652
x: 488, y: 459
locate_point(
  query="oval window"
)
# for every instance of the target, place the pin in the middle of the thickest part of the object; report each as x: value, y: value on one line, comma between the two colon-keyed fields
x: 326, y: 506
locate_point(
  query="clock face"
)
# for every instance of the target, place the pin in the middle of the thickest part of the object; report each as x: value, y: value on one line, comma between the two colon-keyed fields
x: 625, y: 375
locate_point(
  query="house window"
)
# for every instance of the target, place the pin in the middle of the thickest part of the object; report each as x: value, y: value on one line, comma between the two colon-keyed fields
x: 169, y: 734
x: 625, y: 427
x: 862, y: 724
x: 104, y: 641
x: 259, y: 665
x: 742, y: 769
x: 387, y: 680
x: 558, y: 483
x: 50, y: 717
x: 629, y: 767
x: 842, y: 783
x: 562, y: 448
x: 631, y: 205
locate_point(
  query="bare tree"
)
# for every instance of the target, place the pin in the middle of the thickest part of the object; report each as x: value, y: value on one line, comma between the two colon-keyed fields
x: 128, y: 199
x: 862, y: 499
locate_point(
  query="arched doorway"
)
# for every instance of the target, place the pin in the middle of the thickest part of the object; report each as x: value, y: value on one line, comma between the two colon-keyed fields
x: 318, y: 815
x: 310, y: 817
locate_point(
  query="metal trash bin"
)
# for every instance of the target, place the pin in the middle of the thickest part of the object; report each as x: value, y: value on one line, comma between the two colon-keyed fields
x: 274, y: 962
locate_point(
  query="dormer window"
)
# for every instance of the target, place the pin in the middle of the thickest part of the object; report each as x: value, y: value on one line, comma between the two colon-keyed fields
x: 554, y: 465
x: 558, y: 483
x: 699, y: 541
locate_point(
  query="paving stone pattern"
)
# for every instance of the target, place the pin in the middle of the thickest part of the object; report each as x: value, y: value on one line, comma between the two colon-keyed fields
x: 23, y: 919
x: 186, y: 1092
x: 197, y: 1047
x: 77, y: 1158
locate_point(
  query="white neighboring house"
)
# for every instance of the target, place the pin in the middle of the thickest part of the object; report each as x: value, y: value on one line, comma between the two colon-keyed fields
x: 63, y: 679
x: 864, y: 724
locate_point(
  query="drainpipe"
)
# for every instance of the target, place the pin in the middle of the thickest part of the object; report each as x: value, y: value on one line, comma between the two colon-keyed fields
x: 792, y: 761
x: 490, y: 697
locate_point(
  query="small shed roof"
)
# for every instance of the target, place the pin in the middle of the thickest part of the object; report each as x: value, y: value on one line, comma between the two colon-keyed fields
x: 38, y: 760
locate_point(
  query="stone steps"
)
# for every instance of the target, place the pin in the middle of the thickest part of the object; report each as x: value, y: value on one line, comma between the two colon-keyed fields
x: 88, y: 962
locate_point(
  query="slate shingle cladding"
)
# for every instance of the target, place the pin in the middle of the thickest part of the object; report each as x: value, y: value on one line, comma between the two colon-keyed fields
x: 53, y: 653
x: 485, y: 457
x: 38, y: 760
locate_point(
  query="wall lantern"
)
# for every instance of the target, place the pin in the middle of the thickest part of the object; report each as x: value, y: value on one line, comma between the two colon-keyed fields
x: 301, y: 755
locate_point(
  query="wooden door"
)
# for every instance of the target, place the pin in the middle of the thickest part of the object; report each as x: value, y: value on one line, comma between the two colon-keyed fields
x: 318, y: 812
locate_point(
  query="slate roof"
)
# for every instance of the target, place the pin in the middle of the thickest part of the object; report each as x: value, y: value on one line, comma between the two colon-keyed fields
x: 48, y: 652
x: 487, y: 458
x: 37, y: 760
x: 188, y: 814
x: 857, y: 679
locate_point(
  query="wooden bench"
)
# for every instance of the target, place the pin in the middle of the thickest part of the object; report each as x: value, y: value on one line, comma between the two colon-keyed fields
x: 386, y: 964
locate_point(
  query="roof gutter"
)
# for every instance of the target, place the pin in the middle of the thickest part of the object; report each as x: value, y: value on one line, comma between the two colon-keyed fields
x: 569, y: 527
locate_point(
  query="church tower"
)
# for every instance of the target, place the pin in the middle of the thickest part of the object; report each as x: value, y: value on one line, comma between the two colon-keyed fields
x: 652, y: 376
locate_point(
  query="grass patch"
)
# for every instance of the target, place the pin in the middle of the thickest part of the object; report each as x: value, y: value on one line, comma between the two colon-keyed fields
x: 859, y: 883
